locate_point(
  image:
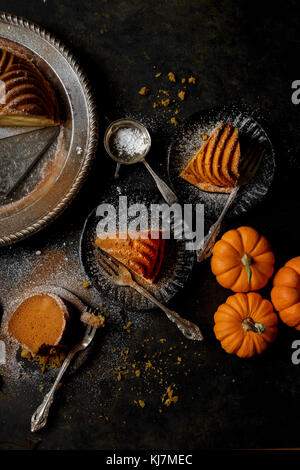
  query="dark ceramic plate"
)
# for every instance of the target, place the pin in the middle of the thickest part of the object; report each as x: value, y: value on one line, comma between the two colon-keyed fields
x: 187, y: 140
x: 176, y: 266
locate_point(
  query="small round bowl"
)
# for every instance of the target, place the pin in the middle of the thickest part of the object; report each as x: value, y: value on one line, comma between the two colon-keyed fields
x: 125, y: 124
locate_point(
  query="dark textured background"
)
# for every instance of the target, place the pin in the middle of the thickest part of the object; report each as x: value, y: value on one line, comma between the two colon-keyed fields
x: 242, y: 52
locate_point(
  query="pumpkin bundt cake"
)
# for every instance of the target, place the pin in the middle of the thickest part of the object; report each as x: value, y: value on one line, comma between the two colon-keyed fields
x: 38, y: 322
x: 215, y: 167
x: 137, y: 250
x: 26, y: 97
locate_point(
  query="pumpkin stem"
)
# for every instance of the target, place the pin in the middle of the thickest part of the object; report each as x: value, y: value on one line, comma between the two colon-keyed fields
x: 249, y: 325
x: 246, y: 261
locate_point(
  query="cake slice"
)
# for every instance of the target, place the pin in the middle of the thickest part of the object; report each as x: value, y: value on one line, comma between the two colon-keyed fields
x: 137, y: 250
x: 39, y: 322
x: 215, y: 167
x: 26, y: 97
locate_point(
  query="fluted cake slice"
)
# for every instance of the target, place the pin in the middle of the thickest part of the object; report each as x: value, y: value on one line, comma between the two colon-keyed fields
x: 142, y: 255
x: 26, y: 97
x: 215, y: 167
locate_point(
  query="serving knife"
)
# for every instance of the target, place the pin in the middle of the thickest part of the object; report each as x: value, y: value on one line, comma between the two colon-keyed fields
x: 18, y: 155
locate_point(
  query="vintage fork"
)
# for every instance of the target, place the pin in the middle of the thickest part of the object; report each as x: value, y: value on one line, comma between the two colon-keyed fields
x: 39, y: 418
x: 249, y: 166
x: 120, y: 275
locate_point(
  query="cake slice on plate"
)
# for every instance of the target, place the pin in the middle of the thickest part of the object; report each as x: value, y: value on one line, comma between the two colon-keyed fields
x: 137, y: 250
x: 215, y: 167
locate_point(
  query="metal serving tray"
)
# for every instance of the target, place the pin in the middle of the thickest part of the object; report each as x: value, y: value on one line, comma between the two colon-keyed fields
x: 57, y: 178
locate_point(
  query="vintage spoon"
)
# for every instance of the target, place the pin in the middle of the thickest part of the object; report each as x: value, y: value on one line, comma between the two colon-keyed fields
x: 40, y: 416
x: 129, y: 159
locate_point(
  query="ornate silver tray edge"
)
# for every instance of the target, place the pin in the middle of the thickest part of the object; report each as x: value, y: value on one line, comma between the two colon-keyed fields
x: 93, y: 135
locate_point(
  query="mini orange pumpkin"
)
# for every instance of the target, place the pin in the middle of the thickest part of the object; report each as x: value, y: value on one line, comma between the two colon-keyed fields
x: 245, y: 324
x: 285, y: 294
x: 242, y: 260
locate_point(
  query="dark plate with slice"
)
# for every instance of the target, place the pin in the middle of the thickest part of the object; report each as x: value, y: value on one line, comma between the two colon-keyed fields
x: 188, y: 139
x: 175, y: 268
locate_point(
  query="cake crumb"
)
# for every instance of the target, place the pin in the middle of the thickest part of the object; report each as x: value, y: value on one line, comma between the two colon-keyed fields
x: 165, y: 102
x: 26, y: 354
x: 141, y: 403
x: 192, y: 80
x: 171, y: 77
x: 183, y: 80
x: 204, y: 136
x: 92, y: 319
x: 127, y: 327
x: 148, y: 365
x: 174, y: 121
x: 86, y: 284
x: 144, y: 91
x: 181, y: 95
x: 52, y: 358
x: 168, y: 398
x: 158, y: 75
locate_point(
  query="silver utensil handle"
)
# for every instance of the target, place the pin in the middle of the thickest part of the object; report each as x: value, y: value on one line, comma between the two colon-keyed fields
x: 208, y: 242
x: 187, y: 328
x: 39, y: 418
x: 117, y: 171
x: 164, y: 189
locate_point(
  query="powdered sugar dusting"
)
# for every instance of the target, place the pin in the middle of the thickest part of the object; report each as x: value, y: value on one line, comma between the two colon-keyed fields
x: 55, y: 269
